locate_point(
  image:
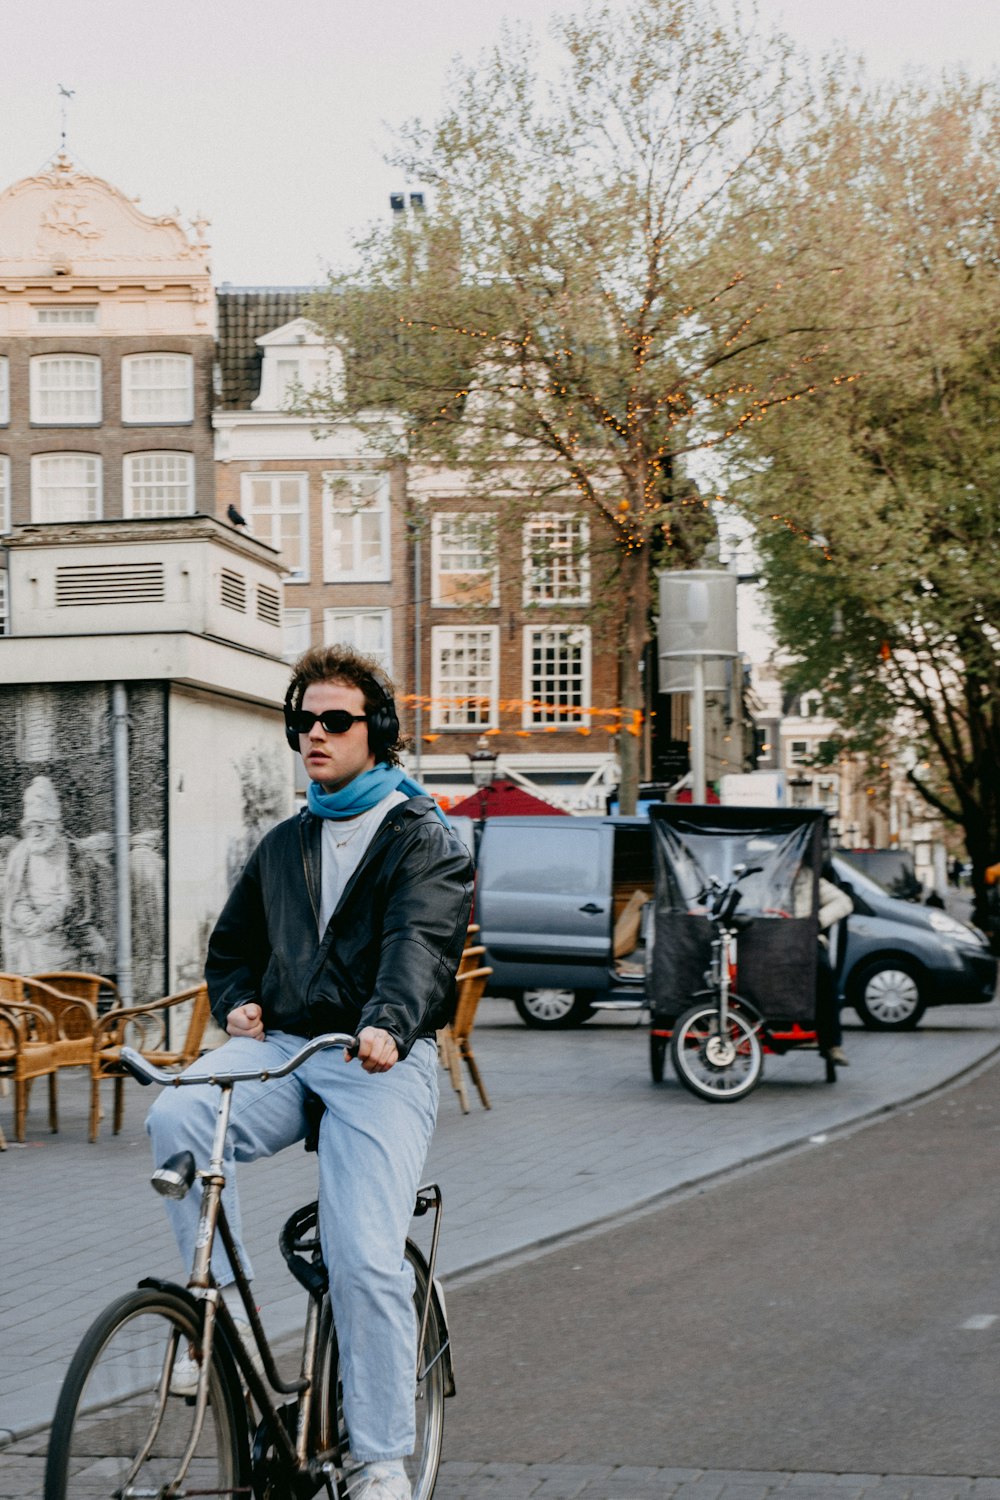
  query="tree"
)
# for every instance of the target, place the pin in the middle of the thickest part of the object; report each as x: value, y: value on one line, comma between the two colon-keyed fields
x: 578, y: 305
x: 884, y: 565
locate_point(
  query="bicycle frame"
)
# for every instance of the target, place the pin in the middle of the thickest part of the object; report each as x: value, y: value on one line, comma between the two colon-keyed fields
x: 201, y: 1287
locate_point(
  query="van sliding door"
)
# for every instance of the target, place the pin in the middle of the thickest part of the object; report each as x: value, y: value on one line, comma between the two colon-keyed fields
x: 544, y: 899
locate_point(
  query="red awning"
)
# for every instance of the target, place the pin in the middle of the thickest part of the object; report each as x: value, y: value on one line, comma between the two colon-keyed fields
x: 504, y: 799
x: 685, y: 796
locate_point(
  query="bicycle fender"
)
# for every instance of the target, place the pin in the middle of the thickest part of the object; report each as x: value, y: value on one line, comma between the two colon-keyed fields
x: 437, y: 1311
x: 440, y: 1312
x: 220, y: 1343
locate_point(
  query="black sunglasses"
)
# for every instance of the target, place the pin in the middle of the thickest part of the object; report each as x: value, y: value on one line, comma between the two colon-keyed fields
x: 334, y: 721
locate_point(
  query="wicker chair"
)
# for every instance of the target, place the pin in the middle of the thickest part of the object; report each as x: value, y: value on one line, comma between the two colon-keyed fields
x: 455, y: 1041
x: 28, y: 1042
x: 71, y: 1035
x: 144, y: 1028
x: 101, y: 992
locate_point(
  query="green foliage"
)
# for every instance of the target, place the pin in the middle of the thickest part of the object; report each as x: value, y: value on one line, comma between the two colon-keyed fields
x: 878, y: 511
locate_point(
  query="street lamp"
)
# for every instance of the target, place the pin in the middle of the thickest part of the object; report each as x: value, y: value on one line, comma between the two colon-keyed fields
x: 483, y: 764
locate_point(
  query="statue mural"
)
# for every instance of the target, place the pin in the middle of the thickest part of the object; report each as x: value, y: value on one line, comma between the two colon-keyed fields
x: 52, y: 909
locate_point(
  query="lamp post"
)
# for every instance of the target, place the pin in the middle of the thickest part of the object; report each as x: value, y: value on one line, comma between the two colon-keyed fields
x: 483, y: 764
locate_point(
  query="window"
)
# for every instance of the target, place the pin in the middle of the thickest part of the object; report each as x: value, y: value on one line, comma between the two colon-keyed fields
x: 464, y: 677
x: 157, y: 388
x: 65, y: 389
x: 463, y: 560
x: 66, y: 315
x: 4, y: 389
x: 296, y: 633
x: 274, y: 506
x: 65, y: 487
x: 158, y: 484
x: 556, y: 675
x: 798, y: 752
x: 356, y: 527
x: 556, y: 565
x: 4, y: 493
x: 367, y: 630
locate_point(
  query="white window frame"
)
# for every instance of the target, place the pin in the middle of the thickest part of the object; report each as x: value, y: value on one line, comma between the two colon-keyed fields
x: 379, y: 570
x: 542, y: 584
x: 298, y: 620
x: 129, y: 484
x: 5, y: 502
x: 334, y: 631
x: 249, y: 510
x: 40, y: 461
x: 66, y: 314
x: 180, y: 414
x: 799, y: 752
x: 445, y: 714
x: 38, y: 394
x: 542, y: 718
x: 4, y: 390
x: 448, y: 547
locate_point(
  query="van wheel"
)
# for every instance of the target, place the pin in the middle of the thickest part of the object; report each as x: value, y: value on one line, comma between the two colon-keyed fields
x: 554, y: 1010
x: 887, y: 996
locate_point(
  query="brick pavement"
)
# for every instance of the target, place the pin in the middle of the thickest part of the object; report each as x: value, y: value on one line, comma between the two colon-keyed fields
x: 577, y: 1137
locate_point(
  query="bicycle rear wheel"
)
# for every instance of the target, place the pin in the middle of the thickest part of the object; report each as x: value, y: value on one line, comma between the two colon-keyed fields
x: 717, y: 1065
x: 422, y: 1466
x: 115, y: 1437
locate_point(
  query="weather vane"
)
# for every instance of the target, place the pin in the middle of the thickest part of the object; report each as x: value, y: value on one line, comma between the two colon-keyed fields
x: 65, y: 95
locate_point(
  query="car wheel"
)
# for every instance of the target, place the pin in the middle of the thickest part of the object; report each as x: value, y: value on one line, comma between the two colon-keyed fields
x: 887, y: 995
x: 554, y: 1010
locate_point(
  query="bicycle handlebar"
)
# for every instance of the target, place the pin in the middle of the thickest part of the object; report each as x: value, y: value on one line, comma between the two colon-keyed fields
x: 146, y: 1073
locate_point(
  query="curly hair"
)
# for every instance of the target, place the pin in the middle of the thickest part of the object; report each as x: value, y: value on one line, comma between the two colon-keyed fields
x: 341, y: 663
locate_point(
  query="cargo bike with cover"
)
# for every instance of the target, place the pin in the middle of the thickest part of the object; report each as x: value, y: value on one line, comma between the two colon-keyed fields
x: 732, y: 943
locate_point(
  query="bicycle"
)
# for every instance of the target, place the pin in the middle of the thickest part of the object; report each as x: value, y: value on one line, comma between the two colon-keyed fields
x: 120, y: 1434
x: 717, y: 1046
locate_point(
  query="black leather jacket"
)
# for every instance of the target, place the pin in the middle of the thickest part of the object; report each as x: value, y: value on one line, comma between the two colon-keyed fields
x: 390, y: 951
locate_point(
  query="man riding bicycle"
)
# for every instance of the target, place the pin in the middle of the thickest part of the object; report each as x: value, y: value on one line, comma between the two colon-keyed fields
x: 350, y: 916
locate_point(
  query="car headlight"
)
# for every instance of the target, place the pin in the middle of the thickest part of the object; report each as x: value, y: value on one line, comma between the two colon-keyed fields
x: 950, y: 927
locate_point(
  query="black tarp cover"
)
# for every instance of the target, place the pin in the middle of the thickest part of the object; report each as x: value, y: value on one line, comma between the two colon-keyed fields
x: 777, y: 952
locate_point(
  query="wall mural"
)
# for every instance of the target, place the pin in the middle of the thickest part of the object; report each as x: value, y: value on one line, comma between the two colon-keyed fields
x: 57, y: 880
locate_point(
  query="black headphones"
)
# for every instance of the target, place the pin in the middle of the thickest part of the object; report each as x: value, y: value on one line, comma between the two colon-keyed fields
x: 383, y: 721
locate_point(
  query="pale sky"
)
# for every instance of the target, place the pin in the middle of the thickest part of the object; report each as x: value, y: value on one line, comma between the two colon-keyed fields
x: 270, y: 116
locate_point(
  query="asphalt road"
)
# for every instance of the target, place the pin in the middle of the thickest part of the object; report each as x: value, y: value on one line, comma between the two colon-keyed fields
x: 836, y: 1311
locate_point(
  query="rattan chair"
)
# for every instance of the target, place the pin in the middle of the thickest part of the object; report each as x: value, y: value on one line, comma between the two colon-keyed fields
x: 100, y: 991
x: 144, y: 1028
x: 28, y: 1042
x: 71, y: 1034
x: 455, y: 1041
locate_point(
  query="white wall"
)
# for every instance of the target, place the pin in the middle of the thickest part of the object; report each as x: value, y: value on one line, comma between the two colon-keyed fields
x: 230, y: 779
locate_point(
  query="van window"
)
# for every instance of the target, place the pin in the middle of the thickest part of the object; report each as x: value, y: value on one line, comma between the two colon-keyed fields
x: 553, y: 860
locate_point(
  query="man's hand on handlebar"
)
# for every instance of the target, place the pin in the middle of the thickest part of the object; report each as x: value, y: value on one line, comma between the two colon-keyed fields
x: 246, y: 1020
x: 377, y: 1051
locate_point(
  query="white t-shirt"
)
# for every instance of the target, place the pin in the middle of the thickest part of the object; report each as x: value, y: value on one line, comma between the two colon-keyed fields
x: 342, y: 843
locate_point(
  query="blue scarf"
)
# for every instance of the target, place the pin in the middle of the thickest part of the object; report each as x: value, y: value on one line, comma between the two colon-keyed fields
x: 361, y: 794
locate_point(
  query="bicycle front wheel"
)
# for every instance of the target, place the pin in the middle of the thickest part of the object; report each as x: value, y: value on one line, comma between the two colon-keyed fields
x: 119, y: 1433
x: 428, y: 1397
x: 717, y: 1064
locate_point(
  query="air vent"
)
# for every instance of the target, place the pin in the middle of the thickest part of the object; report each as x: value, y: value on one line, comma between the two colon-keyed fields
x: 233, y: 590
x: 109, y: 583
x: 268, y: 605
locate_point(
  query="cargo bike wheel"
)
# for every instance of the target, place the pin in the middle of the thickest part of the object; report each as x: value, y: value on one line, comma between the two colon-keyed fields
x: 717, y: 1064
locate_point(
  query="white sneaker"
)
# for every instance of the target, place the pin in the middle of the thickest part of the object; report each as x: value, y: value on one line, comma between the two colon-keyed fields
x: 381, y: 1481
x: 184, y: 1377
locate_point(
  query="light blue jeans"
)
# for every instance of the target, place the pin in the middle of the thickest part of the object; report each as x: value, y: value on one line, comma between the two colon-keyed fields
x: 372, y: 1147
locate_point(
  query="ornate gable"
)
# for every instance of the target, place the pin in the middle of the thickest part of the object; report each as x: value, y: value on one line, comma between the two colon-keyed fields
x: 65, y: 222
